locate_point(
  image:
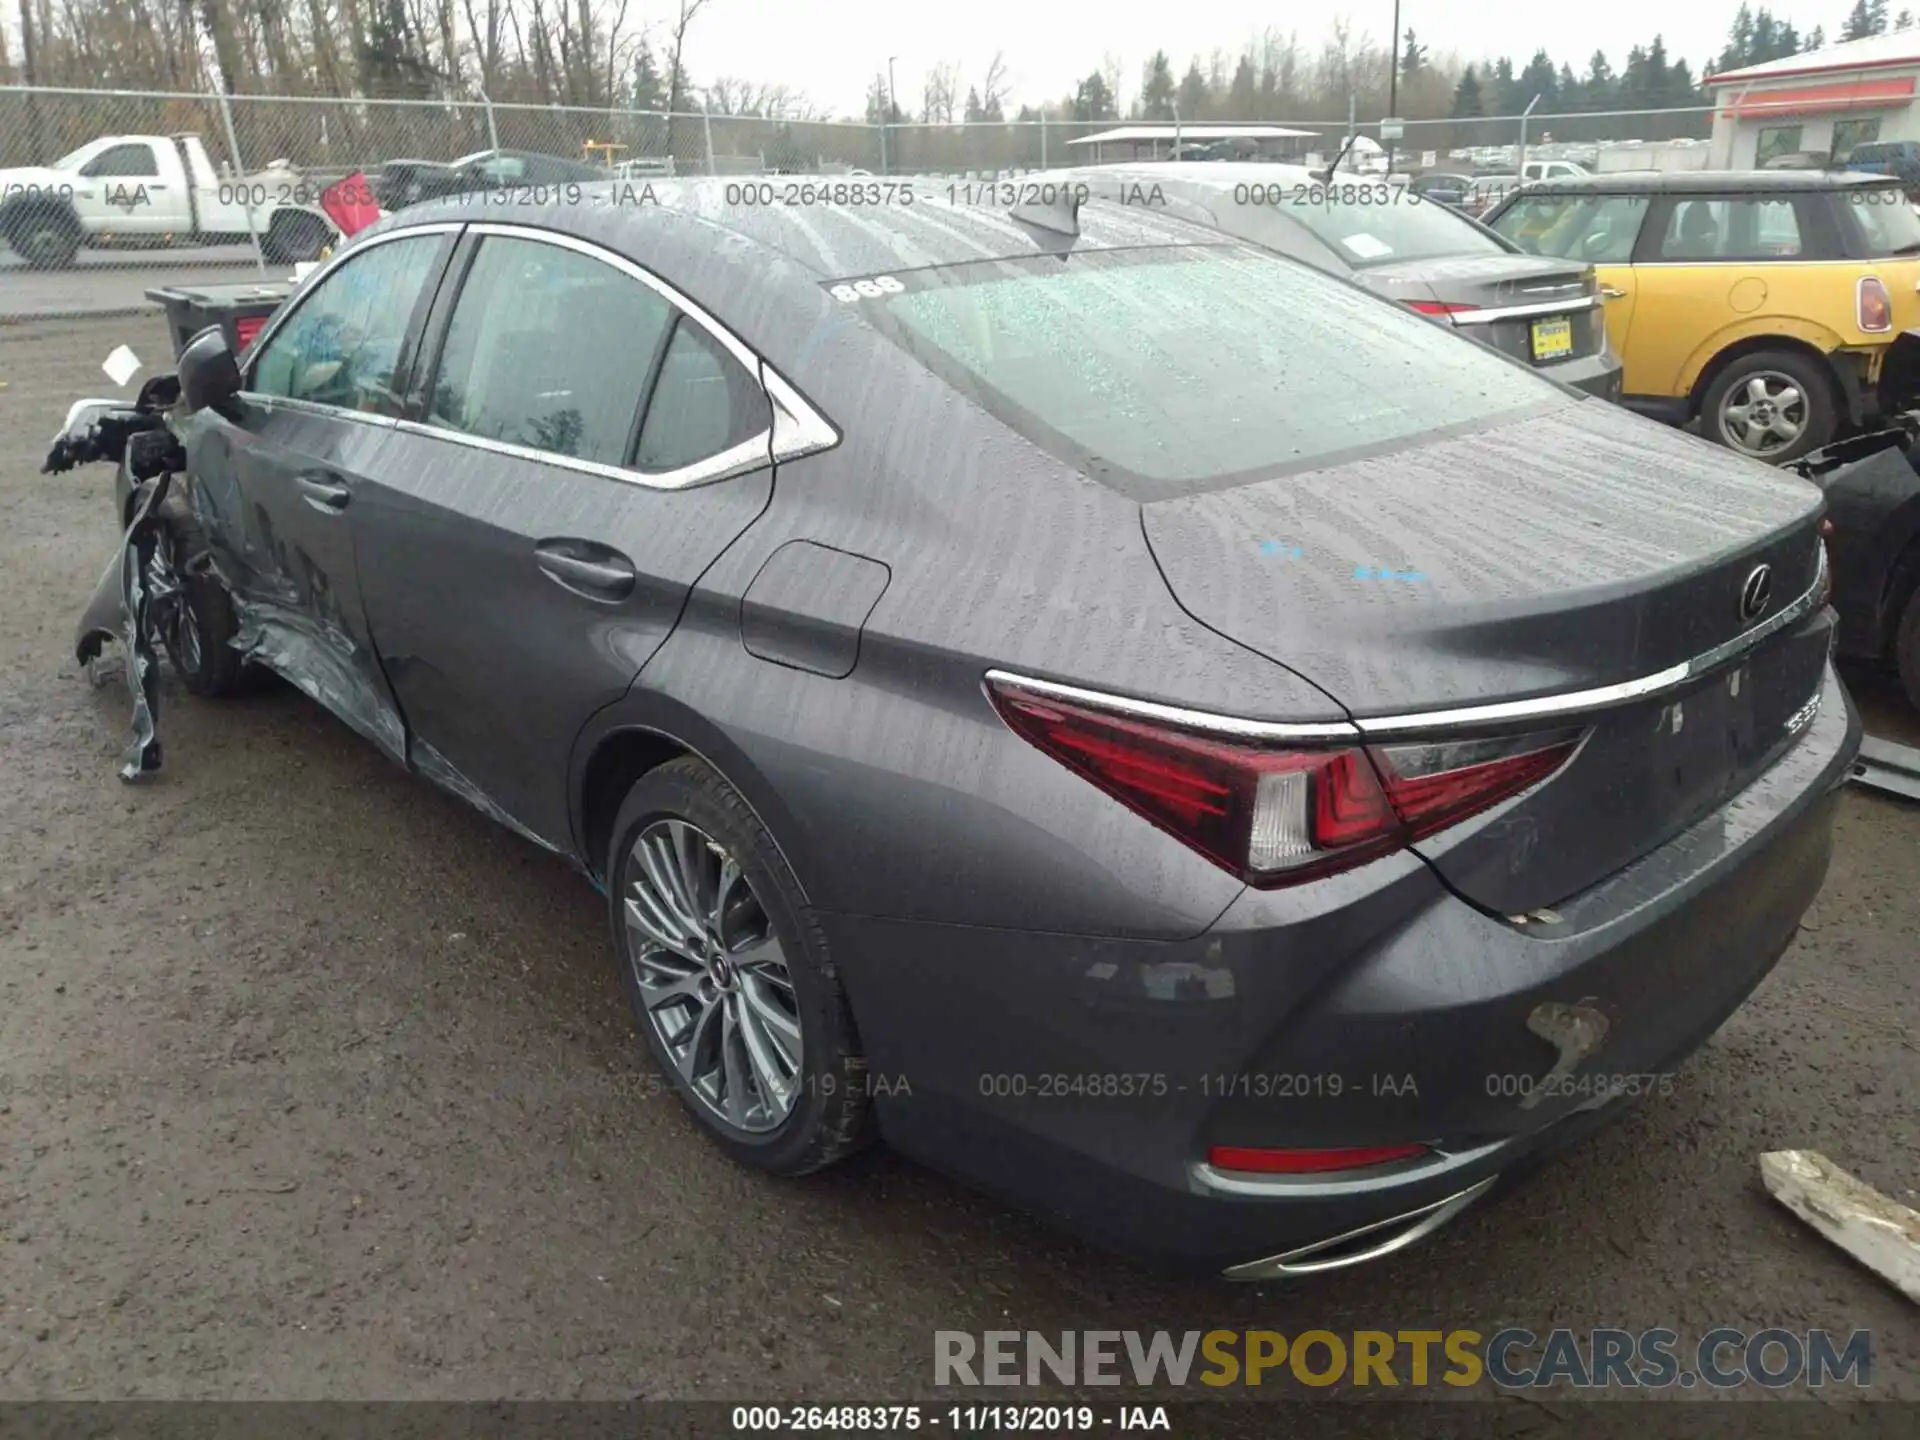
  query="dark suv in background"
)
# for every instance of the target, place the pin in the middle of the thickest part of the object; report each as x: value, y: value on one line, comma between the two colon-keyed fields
x: 401, y: 183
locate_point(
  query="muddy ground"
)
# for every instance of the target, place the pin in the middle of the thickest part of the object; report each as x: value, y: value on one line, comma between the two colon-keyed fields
x: 323, y: 1086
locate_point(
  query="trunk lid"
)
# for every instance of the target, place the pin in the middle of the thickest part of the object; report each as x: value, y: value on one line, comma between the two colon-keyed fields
x: 1542, y: 335
x: 1565, y: 551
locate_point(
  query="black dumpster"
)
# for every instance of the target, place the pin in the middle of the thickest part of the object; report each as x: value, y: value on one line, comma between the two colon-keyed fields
x: 239, y: 309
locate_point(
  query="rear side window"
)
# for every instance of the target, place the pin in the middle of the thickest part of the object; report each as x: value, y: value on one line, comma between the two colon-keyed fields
x: 1740, y: 228
x: 1597, y: 229
x: 1365, y: 224
x: 340, y: 347
x: 702, y: 404
x: 1883, y: 221
x: 1172, y: 369
x: 548, y: 349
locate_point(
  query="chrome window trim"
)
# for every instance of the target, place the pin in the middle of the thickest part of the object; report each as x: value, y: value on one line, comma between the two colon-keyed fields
x: 1379, y: 727
x: 742, y: 459
x: 1519, y: 312
x: 325, y: 412
x: 798, y: 428
x: 795, y: 429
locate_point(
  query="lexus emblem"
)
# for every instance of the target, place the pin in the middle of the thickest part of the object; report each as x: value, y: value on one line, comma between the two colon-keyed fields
x: 1757, y: 591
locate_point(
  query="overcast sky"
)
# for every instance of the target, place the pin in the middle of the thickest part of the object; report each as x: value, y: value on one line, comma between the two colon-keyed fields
x: 831, y: 49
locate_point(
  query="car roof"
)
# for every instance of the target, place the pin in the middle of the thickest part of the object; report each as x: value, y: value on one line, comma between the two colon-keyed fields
x: 830, y: 241
x: 1707, y: 182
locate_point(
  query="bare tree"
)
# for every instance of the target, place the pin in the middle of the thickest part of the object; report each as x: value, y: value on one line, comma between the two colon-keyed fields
x: 676, y: 70
x: 993, y: 89
x: 940, y: 93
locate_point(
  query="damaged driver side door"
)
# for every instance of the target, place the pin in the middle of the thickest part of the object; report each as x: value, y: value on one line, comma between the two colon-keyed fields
x: 276, y: 480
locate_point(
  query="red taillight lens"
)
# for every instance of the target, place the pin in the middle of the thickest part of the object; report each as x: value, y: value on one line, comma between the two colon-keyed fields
x: 1262, y: 1161
x: 1432, y: 786
x: 1435, y: 307
x: 1875, y: 306
x: 1278, y: 815
x: 245, y: 328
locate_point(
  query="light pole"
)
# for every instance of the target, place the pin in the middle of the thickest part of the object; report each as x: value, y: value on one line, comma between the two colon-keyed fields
x: 1393, y: 83
x: 893, y: 96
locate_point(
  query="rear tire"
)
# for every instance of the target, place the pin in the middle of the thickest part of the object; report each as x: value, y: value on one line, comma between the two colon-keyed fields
x: 1774, y: 405
x: 1906, y: 649
x: 47, y: 238
x: 744, y: 1013
x: 294, y: 239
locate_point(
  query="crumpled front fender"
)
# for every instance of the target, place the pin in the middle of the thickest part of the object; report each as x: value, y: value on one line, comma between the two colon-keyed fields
x: 122, y: 609
x: 105, y: 618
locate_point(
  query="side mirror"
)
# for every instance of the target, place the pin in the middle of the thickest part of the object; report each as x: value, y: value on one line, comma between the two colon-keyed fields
x: 209, y: 375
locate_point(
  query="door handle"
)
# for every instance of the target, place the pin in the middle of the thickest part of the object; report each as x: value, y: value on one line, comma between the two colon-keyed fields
x: 324, y: 491
x: 594, y: 571
x: 1612, y: 292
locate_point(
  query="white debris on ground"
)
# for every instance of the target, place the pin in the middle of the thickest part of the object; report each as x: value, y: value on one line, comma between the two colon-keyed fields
x: 1879, y: 1232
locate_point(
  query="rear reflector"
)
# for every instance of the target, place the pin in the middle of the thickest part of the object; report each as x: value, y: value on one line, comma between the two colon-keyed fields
x: 1875, y: 306
x: 1262, y: 1161
x: 1277, y: 814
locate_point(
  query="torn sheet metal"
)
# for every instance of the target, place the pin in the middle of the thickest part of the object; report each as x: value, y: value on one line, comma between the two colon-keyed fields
x: 305, y: 654
x: 128, y: 605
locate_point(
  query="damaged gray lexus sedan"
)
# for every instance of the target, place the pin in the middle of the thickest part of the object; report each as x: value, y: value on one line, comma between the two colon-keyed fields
x: 1139, y: 723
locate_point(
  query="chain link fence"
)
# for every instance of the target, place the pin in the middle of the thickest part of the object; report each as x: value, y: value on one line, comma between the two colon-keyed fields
x: 131, y: 190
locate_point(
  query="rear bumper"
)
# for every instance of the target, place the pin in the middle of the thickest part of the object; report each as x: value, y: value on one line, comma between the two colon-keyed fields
x: 1087, y: 1078
x: 1597, y: 375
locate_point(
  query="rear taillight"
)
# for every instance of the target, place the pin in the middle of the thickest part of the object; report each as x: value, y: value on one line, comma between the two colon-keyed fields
x: 1279, y: 814
x: 1435, y: 307
x: 1875, y: 306
x: 245, y: 328
x: 1260, y: 1160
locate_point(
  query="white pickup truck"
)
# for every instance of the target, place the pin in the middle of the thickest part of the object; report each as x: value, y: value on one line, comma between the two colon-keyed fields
x: 156, y: 190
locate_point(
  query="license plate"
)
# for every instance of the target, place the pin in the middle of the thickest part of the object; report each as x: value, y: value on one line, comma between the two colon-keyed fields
x: 1552, y: 339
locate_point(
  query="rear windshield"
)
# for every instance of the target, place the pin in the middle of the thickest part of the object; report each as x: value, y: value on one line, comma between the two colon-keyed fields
x: 1364, y: 223
x: 1167, y: 370
x: 1885, y: 219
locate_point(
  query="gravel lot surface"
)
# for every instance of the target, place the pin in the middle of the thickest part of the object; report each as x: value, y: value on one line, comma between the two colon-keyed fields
x: 321, y: 1086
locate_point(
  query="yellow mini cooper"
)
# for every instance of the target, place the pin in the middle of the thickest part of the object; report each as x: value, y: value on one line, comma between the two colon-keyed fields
x: 1776, y: 307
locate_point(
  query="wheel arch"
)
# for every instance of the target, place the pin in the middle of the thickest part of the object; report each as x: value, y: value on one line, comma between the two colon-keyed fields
x: 641, y: 733
x: 1731, y: 353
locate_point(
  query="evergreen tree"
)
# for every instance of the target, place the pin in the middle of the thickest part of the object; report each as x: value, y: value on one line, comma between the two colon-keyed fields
x: 1240, y: 101
x: 1467, y: 101
x: 1540, y: 78
x: 1506, y: 97
x: 1862, y: 20
x: 1413, y: 58
x: 646, y: 91
x: 1092, y: 100
x: 1600, y: 89
x: 1193, y: 93
x: 1743, y: 39
x: 1157, y: 88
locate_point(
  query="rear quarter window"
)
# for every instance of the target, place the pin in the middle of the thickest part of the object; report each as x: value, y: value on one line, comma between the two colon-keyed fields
x: 1170, y: 370
x: 1881, y: 221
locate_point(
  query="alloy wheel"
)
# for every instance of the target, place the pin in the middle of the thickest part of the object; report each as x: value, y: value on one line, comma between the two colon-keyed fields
x: 712, y: 976
x: 173, y: 620
x: 1766, y: 415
